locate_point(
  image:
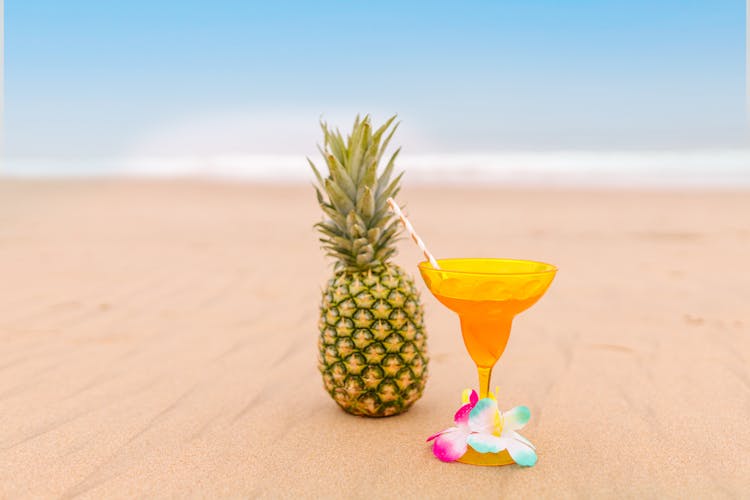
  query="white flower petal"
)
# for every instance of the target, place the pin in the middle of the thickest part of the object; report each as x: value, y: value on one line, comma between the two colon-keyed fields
x: 516, y: 418
x: 482, y: 416
x: 486, y: 443
x: 518, y: 437
x: 521, y: 453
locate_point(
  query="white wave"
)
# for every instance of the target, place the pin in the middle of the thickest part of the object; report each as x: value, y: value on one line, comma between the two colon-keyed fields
x: 569, y: 168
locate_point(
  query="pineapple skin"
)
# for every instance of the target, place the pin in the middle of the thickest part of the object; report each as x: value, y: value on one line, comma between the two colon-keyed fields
x: 373, y: 353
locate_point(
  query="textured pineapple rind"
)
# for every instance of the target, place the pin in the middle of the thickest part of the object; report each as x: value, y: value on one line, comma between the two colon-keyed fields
x: 372, y: 345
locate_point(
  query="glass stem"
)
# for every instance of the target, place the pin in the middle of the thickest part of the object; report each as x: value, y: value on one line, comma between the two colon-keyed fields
x: 484, y: 381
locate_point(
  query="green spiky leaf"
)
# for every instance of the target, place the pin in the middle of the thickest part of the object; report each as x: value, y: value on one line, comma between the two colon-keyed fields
x: 359, y: 230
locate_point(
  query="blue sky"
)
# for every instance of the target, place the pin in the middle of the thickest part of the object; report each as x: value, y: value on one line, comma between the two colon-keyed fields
x: 92, y: 78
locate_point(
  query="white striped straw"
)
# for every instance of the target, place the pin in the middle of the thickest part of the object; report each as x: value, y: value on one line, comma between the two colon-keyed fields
x: 412, y: 233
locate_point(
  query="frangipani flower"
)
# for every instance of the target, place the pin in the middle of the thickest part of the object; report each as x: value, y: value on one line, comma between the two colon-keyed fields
x: 480, y: 424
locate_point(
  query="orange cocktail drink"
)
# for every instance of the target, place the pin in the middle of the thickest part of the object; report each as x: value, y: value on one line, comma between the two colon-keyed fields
x: 487, y: 294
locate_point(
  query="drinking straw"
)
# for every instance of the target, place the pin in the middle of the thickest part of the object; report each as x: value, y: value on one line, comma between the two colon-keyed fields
x: 412, y: 233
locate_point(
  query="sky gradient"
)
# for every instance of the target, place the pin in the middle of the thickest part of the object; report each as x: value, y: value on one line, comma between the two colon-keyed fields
x: 91, y: 78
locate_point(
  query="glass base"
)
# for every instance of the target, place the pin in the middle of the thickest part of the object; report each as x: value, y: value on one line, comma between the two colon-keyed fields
x: 473, y: 457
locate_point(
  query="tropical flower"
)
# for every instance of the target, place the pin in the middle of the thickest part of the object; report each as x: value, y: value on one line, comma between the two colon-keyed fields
x: 481, y: 425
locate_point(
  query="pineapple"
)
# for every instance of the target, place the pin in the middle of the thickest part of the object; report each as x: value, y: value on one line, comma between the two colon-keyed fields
x: 373, y: 355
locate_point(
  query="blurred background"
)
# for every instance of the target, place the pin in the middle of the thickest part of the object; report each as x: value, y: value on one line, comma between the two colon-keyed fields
x: 160, y: 337
x: 583, y: 92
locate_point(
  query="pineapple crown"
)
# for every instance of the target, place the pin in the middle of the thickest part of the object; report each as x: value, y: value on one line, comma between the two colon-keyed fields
x: 359, y: 230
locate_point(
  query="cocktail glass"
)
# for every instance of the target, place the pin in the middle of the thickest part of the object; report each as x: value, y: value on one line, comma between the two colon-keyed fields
x: 487, y: 294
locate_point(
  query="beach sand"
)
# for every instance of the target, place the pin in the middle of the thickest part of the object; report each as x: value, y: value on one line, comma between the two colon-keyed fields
x: 159, y: 340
